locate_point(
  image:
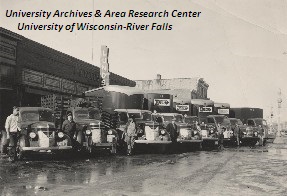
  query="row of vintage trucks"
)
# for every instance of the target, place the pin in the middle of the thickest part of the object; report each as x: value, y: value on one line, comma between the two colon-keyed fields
x: 101, y: 116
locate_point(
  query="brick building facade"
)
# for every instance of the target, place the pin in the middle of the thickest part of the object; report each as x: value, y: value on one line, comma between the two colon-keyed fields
x: 180, y: 88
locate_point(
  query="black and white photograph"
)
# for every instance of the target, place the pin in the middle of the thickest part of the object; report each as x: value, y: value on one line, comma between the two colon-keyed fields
x: 143, y: 97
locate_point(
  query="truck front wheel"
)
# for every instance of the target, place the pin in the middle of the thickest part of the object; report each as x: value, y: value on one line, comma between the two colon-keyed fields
x: 23, y: 142
x: 4, y: 142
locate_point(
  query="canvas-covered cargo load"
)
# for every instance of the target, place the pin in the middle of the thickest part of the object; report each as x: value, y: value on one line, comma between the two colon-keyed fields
x: 117, y: 97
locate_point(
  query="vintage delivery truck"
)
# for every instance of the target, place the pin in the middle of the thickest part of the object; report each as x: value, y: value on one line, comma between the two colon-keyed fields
x: 38, y: 133
x: 92, y: 134
x: 253, y: 119
x: 120, y: 99
x: 188, y: 138
x: 150, y: 138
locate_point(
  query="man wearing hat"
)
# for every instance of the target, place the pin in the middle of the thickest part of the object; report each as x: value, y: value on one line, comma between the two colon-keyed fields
x: 69, y: 126
x: 171, y: 128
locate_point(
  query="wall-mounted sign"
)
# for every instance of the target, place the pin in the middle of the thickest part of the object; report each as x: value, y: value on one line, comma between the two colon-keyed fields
x: 205, y: 109
x: 32, y: 78
x: 223, y: 111
x: 49, y: 82
x: 162, y: 102
x: 182, y: 107
x: 105, y: 78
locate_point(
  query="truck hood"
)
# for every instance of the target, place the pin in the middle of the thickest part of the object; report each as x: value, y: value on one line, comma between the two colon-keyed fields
x: 180, y: 125
x: 38, y: 124
x: 88, y: 122
x: 149, y: 123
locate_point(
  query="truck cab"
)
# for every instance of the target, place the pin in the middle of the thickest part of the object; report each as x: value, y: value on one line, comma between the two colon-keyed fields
x: 150, y: 135
x: 260, y: 126
x: 213, y: 122
x: 92, y: 132
x: 211, y: 134
x: 188, y: 138
x: 38, y: 132
x: 143, y: 119
x: 246, y: 135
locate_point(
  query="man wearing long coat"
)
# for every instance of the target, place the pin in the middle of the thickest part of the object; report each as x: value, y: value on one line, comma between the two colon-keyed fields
x: 171, y: 128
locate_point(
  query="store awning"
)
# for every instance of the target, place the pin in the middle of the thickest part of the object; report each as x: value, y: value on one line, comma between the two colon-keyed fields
x: 114, y: 88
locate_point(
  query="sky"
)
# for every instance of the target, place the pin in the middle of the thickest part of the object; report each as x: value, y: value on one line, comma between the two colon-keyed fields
x: 239, y: 47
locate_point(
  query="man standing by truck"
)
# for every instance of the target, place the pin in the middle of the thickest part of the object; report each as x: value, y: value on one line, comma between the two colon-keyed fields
x: 12, y: 129
x: 130, y: 134
x: 237, y: 134
x: 171, y: 128
x: 261, y: 136
x: 69, y: 126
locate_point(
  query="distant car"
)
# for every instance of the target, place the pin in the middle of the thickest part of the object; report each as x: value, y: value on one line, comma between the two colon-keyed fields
x: 38, y: 132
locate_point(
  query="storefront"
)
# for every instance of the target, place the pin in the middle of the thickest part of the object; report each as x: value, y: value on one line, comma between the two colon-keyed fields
x: 29, y: 70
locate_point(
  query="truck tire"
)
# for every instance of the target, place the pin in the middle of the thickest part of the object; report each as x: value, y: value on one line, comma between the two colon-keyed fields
x: 80, y: 137
x: 23, y: 142
x: 4, y: 142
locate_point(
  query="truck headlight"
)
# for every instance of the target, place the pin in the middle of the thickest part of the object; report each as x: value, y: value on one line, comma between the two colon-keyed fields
x: 88, y: 132
x: 162, y: 132
x: 32, y: 135
x: 60, y: 134
x: 110, y: 132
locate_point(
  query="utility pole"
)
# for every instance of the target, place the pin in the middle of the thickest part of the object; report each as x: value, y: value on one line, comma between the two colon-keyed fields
x: 279, y: 100
x: 271, y: 116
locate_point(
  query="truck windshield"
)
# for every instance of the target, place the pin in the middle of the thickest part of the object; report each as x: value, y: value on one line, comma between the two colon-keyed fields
x: 234, y: 121
x: 123, y: 117
x: 239, y: 122
x: 146, y: 116
x: 219, y: 119
x: 136, y: 115
x: 40, y: 115
x: 88, y: 114
x: 210, y: 120
x: 191, y: 120
x: 260, y: 122
x: 178, y: 118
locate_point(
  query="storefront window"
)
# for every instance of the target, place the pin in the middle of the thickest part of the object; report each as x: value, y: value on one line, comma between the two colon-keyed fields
x: 7, y: 76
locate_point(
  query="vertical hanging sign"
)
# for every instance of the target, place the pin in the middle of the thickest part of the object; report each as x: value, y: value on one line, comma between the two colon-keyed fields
x: 105, y: 75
